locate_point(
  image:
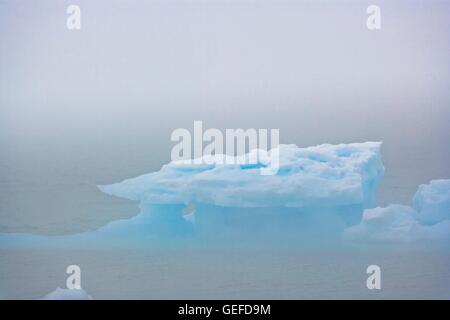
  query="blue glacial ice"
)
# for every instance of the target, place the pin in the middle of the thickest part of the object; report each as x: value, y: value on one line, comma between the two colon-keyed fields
x: 429, y: 220
x: 318, y: 195
x: 327, y: 175
x: 432, y: 202
x: 324, y: 175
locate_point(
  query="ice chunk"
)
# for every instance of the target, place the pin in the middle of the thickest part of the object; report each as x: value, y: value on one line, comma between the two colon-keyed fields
x: 68, y: 294
x: 316, y: 193
x: 429, y: 221
x: 393, y: 223
x: 432, y: 202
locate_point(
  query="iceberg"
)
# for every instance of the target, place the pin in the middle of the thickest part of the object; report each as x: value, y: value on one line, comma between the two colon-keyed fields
x: 432, y: 202
x: 320, y: 195
x: 429, y: 220
x: 316, y: 193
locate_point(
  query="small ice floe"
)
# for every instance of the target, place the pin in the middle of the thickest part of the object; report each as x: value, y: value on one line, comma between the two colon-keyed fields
x: 427, y: 220
x: 68, y: 294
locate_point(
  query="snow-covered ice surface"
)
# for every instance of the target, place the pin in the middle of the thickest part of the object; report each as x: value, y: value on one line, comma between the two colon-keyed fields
x: 323, y: 175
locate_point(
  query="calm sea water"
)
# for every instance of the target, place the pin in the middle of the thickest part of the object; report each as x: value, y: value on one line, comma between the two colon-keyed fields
x: 227, y: 274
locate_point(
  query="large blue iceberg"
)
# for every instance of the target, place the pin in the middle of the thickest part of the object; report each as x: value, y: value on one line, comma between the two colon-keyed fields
x: 316, y: 193
x: 319, y: 195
